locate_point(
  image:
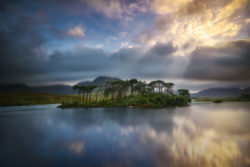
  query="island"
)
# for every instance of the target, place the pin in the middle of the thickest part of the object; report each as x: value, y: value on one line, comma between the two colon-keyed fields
x: 127, y: 93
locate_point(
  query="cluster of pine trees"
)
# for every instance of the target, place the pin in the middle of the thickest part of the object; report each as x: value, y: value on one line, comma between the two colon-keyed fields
x: 120, y: 89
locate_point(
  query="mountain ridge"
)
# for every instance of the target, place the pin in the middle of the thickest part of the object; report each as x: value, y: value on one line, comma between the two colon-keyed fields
x: 219, y: 92
x: 101, y: 81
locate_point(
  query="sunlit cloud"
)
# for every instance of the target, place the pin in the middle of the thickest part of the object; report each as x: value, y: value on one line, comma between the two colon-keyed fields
x: 185, y: 27
x: 77, y: 31
x: 163, y: 7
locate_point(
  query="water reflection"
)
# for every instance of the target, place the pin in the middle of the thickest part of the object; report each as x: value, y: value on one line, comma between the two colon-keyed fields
x: 199, y: 135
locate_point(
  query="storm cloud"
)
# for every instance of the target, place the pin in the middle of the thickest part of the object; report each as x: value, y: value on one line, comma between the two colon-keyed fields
x: 21, y: 50
x: 24, y: 60
x: 229, y: 62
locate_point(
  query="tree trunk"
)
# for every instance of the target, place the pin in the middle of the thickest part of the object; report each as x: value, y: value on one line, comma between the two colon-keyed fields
x: 87, y: 96
x: 84, y: 98
x: 97, y: 92
x: 131, y: 91
x: 90, y: 97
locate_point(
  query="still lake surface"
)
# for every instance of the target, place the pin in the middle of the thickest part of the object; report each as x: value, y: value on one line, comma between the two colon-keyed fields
x: 203, y: 134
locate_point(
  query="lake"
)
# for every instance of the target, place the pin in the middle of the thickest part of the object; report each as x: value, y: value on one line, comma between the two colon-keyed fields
x: 203, y: 134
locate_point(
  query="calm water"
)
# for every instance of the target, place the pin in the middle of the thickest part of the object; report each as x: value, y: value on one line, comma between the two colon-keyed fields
x: 203, y: 134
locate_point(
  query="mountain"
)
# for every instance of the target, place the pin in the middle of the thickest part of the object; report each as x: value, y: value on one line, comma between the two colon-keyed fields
x: 98, y: 81
x: 222, y: 92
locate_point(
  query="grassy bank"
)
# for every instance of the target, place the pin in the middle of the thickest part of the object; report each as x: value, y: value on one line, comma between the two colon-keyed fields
x: 147, y: 101
x: 210, y: 99
x: 243, y: 98
x: 30, y: 98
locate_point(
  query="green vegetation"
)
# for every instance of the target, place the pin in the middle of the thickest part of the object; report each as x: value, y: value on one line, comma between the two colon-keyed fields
x: 128, y: 93
x: 185, y: 93
x: 29, y: 98
x: 243, y: 98
x: 210, y: 99
x: 218, y: 101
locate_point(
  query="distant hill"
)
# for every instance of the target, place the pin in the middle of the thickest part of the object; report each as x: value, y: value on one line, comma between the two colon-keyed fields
x: 54, y: 89
x: 98, y: 81
x: 14, y: 87
x: 222, y: 92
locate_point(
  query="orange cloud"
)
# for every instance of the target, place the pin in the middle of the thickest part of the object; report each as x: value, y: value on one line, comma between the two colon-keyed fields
x: 197, y: 23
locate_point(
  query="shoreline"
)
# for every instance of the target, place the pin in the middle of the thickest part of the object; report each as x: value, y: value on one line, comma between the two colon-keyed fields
x: 143, y: 106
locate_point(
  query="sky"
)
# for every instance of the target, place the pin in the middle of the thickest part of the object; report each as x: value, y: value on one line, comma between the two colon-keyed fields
x: 194, y: 43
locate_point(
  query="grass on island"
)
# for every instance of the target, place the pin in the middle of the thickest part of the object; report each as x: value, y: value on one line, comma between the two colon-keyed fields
x: 31, y: 98
x: 157, y: 100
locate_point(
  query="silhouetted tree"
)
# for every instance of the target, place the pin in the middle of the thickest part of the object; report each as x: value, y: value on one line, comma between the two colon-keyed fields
x: 83, y: 90
x: 90, y: 88
x: 158, y: 84
x: 117, y: 90
x: 132, y: 84
x: 75, y: 88
x: 169, y: 87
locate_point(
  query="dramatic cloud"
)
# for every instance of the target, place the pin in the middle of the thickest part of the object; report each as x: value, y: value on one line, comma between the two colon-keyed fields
x: 24, y: 54
x: 61, y: 41
x: 199, y: 23
x: 35, y: 66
